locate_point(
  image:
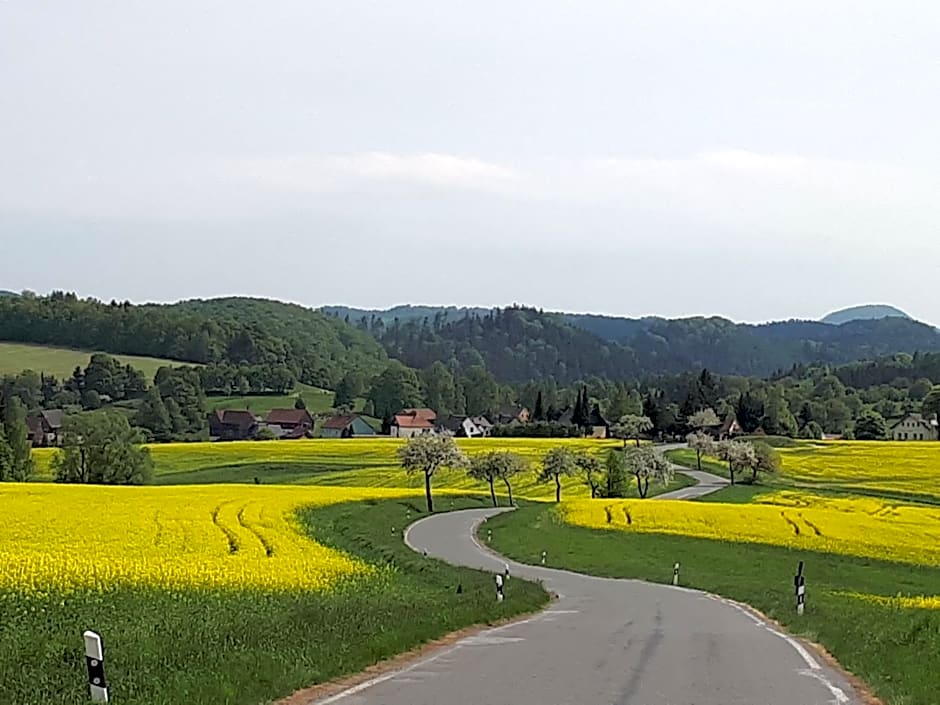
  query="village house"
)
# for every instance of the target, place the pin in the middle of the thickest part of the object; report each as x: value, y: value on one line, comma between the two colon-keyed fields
x: 232, y: 425
x: 346, y: 426
x: 913, y: 427
x: 45, y: 427
x: 465, y: 426
x: 294, y: 423
x: 413, y: 422
x: 730, y: 428
x: 509, y: 415
x: 597, y: 426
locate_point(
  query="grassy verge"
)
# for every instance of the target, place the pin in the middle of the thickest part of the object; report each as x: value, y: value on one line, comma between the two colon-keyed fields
x: 896, y: 650
x: 687, y: 459
x: 202, y: 647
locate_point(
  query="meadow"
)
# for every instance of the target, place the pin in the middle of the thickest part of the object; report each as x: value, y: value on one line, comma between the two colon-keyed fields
x: 318, y: 401
x: 61, y: 362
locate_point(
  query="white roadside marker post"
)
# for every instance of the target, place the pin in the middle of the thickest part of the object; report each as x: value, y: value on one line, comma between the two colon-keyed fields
x: 94, y: 659
x: 799, y: 582
x: 543, y: 557
x: 499, y: 587
x: 675, y: 574
x: 506, y: 572
x: 489, y: 535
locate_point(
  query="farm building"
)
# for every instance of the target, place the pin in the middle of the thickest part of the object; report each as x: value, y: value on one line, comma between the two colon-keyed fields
x: 232, y: 425
x: 913, y: 427
x: 45, y: 427
x: 346, y: 426
x: 293, y: 421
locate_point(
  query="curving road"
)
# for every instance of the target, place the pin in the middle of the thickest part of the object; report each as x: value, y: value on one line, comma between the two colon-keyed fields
x: 602, y: 642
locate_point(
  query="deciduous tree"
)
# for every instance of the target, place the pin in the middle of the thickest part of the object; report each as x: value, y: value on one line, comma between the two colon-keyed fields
x: 558, y: 463
x: 767, y: 460
x: 590, y: 468
x: 493, y: 466
x: 739, y: 455
x: 630, y: 427
x: 427, y: 454
x: 703, y: 419
x: 100, y: 447
x: 646, y: 464
x: 702, y: 444
x: 870, y: 426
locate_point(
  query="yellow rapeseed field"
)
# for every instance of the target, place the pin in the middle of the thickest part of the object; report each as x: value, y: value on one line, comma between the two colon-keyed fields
x: 871, y: 528
x: 360, y: 462
x: 213, y: 536
x: 882, y: 466
x: 924, y: 602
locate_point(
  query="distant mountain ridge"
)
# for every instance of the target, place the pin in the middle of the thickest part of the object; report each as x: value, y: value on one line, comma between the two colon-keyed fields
x: 522, y: 344
x: 404, y: 312
x: 865, y: 312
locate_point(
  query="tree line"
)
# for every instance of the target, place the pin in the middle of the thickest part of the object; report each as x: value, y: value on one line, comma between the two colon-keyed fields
x: 245, y: 333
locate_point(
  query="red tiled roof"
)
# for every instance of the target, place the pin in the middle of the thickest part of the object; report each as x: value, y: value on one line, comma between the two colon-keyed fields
x: 339, y: 422
x: 294, y: 417
x: 409, y: 421
x: 423, y: 413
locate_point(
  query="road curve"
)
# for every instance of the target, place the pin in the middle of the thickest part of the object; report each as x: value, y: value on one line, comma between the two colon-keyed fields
x: 602, y: 642
x: 705, y: 483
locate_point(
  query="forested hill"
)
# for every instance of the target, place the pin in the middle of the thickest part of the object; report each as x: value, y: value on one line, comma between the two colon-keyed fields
x: 318, y: 349
x: 519, y: 344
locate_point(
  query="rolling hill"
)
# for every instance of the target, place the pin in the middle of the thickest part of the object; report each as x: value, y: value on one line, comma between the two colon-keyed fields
x: 16, y: 357
x: 864, y: 313
x: 520, y: 344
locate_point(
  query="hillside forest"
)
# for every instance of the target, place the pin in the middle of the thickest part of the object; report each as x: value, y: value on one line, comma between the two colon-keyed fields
x: 814, y: 378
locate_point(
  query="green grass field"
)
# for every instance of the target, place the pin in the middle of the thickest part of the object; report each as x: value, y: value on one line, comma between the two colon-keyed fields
x: 16, y: 357
x: 896, y: 650
x: 204, y: 647
x: 318, y: 401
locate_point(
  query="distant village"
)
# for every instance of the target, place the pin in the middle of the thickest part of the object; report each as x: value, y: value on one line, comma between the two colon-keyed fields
x: 288, y: 424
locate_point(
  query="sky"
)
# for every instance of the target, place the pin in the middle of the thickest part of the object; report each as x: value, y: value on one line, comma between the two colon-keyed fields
x: 750, y: 159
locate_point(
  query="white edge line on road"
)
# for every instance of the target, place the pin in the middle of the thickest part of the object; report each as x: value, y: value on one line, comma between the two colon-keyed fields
x: 815, y: 670
x: 365, y: 685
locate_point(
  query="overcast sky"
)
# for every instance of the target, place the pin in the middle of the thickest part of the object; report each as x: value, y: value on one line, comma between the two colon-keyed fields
x: 757, y: 160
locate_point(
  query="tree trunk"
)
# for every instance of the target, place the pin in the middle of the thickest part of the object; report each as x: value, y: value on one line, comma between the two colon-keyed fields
x: 698, y: 454
x: 753, y: 476
x: 427, y: 491
x: 646, y: 487
x: 637, y: 439
x: 639, y: 487
x: 493, y: 493
x: 509, y: 490
x: 557, y: 488
x: 731, y: 471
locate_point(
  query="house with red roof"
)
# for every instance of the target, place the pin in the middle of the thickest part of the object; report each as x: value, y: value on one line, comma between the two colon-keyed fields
x: 346, y: 426
x: 295, y: 423
x: 413, y: 422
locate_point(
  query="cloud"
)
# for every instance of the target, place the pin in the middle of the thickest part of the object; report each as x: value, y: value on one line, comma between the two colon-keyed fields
x: 374, y: 170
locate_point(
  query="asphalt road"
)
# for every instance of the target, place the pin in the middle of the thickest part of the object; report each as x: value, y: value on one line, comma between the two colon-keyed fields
x: 602, y: 642
x: 706, y: 483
